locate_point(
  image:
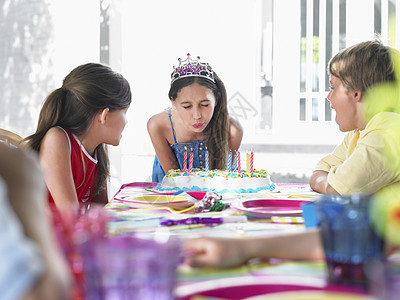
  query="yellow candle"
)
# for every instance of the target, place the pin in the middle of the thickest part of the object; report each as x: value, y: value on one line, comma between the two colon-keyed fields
x: 248, y: 162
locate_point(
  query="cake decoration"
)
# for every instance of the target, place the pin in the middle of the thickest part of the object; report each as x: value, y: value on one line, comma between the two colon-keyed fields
x: 206, y: 167
x: 218, y: 181
x: 185, y: 160
x: 231, y: 180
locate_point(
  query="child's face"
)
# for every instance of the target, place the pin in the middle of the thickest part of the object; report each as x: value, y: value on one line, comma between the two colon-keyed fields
x: 116, y: 124
x: 195, y: 105
x: 343, y: 102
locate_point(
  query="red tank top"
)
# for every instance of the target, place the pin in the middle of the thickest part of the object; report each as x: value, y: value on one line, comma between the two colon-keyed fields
x: 84, y: 172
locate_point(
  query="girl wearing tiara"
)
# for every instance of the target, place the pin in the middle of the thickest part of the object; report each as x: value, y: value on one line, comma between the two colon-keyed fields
x: 197, y: 121
x: 75, y: 123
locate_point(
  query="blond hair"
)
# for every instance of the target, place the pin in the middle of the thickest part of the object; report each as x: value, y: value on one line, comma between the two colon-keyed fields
x: 363, y: 65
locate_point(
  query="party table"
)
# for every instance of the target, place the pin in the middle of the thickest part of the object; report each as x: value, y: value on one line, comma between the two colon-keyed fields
x: 137, y: 208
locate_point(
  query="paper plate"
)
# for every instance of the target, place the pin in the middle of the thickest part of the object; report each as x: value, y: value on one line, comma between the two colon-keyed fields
x: 263, y: 208
x: 268, y: 287
x: 311, y: 295
x: 160, y: 200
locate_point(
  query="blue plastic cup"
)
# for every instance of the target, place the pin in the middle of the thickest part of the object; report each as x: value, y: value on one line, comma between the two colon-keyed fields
x: 350, y: 243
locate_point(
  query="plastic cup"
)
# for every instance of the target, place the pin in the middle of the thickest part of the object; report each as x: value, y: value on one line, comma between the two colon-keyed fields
x: 349, y: 241
x: 127, y: 267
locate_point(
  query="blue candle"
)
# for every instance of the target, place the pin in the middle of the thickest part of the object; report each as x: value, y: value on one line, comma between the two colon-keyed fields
x: 206, y: 162
x: 234, y: 167
x: 230, y: 162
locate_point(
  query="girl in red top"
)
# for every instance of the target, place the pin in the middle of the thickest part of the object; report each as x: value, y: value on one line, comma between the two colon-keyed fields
x: 76, y: 122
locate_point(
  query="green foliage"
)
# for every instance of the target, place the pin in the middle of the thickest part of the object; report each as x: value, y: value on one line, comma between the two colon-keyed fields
x: 385, y: 208
x: 384, y: 96
x: 315, y: 49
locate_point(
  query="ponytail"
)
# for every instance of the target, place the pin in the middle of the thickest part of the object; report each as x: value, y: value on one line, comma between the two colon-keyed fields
x: 49, y: 116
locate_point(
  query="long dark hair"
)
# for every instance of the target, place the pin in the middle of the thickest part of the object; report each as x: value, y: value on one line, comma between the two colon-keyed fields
x: 216, y: 132
x: 88, y: 89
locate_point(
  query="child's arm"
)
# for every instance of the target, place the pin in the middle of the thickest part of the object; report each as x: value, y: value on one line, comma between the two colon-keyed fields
x: 235, y: 134
x: 319, y: 183
x: 55, y: 159
x: 230, y: 252
x: 158, y: 134
x: 319, y: 178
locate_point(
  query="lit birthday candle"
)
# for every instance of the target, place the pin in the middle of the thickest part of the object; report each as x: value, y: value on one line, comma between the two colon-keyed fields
x: 251, y: 162
x: 248, y: 162
x: 234, y: 167
x: 239, y: 166
x: 185, y: 160
x: 191, y: 161
x: 229, y: 162
x: 206, y: 168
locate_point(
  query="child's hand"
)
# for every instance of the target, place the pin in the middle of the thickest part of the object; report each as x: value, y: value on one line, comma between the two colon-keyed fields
x: 214, y: 252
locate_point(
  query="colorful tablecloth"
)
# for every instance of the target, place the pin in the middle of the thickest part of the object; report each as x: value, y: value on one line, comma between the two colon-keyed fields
x: 255, y: 278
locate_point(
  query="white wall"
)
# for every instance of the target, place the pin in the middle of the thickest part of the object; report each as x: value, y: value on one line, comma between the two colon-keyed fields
x: 76, y: 35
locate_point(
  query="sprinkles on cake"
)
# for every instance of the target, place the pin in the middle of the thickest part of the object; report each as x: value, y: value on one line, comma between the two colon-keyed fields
x: 223, y: 173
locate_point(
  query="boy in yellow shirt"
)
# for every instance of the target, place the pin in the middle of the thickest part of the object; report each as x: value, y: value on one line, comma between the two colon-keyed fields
x: 367, y: 160
x: 360, y: 163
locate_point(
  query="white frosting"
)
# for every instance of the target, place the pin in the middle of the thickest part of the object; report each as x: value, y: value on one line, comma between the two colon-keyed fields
x: 219, y: 182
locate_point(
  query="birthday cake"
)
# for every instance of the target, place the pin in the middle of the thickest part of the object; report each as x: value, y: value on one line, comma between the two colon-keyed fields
x: 219, y: 181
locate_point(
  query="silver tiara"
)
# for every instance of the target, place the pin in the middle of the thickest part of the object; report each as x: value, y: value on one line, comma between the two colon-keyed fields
x: 192, y: 68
